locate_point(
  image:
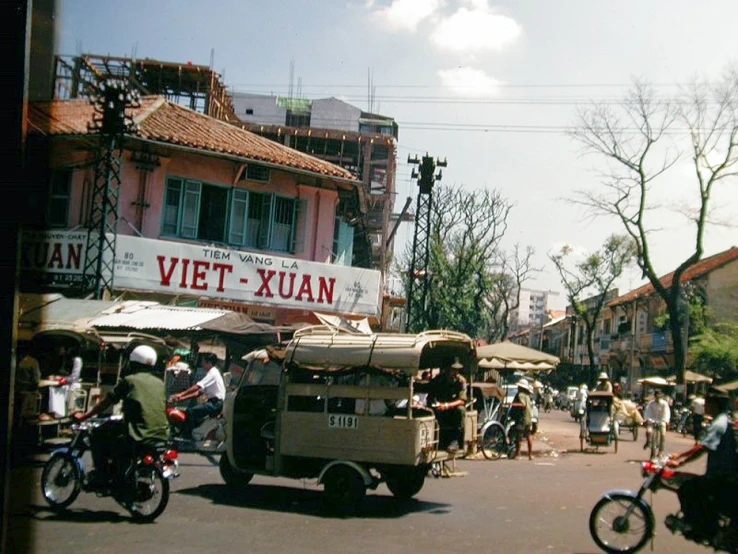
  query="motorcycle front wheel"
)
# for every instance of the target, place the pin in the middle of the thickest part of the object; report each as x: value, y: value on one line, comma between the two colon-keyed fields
x: 151, y: 494
x: 60, y: 481
x: 620, y: 524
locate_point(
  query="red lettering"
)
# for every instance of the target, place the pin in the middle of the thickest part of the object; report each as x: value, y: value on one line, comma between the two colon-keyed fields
x: 56, y: 257
x: 289, y: 294
x: 305, y: 288
x: 166, y: 277
x: 74, y: 255
x: 222, y: 268
x: 325, y: 294
x: 266, y: 276
x: 183, y: 281
x: 198, y: 273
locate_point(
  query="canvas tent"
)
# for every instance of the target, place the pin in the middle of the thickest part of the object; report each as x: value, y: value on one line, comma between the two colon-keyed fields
x: 508, y: 355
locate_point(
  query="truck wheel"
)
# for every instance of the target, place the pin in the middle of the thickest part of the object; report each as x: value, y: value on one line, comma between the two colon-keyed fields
x: 343, y: 489
x: 406, y: 482
x: 231, y: 475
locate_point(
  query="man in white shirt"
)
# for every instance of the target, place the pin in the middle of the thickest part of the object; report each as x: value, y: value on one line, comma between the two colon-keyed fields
x: 212, y: 386
x: 698, y: 416
x: 657, y: 410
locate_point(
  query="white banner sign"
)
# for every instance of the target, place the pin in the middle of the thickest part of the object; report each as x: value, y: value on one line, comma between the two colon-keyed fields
x: 55, y: 258
x: 254, y: 278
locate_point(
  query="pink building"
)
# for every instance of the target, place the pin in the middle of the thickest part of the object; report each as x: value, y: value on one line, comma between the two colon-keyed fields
x: 209, y: 214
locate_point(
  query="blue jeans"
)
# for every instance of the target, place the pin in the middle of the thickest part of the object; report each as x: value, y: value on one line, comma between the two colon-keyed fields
x: 201, y: 412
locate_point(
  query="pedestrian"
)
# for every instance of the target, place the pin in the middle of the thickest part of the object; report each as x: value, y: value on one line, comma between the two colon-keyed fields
x: 698, y: 416
x: 522, y: 414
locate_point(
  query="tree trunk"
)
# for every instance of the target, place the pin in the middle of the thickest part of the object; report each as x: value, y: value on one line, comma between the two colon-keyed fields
x: 591, y: 353
x: 677, y: 325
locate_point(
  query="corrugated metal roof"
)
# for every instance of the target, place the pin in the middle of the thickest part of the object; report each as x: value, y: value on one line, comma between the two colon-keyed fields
x: 163, y: 121
x: 158, y: 317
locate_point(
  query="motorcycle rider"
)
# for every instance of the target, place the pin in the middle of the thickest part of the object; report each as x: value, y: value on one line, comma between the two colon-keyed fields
x: 703, y: 497
x: 144, y: 416
x: 212, y: 386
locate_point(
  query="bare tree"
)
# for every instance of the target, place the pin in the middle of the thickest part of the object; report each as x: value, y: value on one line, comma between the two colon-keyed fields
x: 639, y: 140
x: 593, y: 277
x: 466, y: 264
x: 516, y: 268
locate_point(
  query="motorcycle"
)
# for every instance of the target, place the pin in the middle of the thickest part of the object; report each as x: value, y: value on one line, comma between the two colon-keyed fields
x: 622, y: 521
x: 142, y: 487
x: 208, y: 438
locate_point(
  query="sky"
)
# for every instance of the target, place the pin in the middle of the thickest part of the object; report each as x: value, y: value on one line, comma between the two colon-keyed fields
x: 491, y: 87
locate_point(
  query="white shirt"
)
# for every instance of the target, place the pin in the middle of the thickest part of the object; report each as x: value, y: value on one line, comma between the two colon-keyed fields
x: 698, y: 406
x: 658, y: 410
x: 74, y: 378
x: 212, y: 384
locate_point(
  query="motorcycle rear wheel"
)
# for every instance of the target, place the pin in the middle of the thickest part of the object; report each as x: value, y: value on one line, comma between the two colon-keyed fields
x: 620, y: 524
x: 61, y: 481
x: 151, y: 493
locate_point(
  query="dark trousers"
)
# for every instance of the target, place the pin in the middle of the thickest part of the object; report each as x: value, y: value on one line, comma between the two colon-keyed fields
x: 112, y: 448
x: 451, y: 423
x: 703, y: 497
x: 197, y: 414
x: 697, y: 420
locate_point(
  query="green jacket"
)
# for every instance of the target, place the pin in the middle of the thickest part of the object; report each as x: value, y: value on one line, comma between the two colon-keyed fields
x: 144, y: 406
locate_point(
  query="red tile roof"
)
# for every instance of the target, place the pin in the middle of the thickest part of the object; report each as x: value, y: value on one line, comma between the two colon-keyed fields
x: 163, y: 121
x: 703, y: 267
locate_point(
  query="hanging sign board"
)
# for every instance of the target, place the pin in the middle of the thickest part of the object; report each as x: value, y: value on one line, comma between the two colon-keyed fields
x: 249, y: 277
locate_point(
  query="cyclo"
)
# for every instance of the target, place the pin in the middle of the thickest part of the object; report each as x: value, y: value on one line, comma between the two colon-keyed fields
x: 340, y: 408
x: 598, y: 426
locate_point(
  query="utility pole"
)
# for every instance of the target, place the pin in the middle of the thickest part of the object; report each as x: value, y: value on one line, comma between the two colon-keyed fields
x: 111, y: 100
x: 418, y: 281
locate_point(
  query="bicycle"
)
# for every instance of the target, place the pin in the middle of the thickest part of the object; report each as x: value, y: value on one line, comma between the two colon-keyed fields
x: 656, y: 438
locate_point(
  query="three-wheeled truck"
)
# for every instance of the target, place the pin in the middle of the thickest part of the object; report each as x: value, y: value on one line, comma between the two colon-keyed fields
x: 340, y: 407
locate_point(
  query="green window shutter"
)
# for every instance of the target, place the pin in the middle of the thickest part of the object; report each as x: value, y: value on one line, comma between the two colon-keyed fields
x: 265, y: 227
x: 344, y: 245
x: 172, y: 207
x: 190, y: 209
x: 238, y: 219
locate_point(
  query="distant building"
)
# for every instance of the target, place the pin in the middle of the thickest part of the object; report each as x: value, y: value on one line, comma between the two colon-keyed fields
x: 533, y: 309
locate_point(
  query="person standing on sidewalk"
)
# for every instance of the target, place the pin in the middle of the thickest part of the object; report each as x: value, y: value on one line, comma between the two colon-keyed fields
x: 522, y: 414
x: 698, y: 416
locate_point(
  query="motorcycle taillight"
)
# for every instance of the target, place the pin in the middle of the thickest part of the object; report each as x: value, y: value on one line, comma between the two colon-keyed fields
x: 170, y: 455
x: 148, y: 460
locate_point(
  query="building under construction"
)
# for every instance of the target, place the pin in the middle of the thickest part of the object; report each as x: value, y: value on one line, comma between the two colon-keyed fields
x: 197, y: 87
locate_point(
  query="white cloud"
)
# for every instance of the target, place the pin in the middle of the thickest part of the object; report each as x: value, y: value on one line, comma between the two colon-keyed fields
x: 404, y: 15
x: 467, y: 81
x: 476, y: 28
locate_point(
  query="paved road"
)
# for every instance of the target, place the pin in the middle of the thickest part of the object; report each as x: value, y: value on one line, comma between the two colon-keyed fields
x: 501, y: 506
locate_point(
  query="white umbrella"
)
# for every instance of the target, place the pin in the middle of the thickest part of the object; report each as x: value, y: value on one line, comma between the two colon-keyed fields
x: 654, y: 381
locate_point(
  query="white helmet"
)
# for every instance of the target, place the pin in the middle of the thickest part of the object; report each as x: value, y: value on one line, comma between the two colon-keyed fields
x: 144, y: 355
